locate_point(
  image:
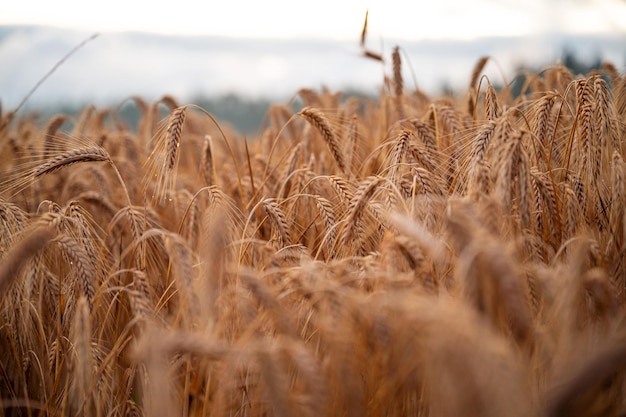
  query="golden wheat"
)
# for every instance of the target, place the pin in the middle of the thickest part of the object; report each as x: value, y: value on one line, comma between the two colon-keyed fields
x: 393, y: 256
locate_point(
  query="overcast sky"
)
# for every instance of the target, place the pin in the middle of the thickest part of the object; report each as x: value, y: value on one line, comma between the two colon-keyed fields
x: 441, y: 41
x: 326, y: 19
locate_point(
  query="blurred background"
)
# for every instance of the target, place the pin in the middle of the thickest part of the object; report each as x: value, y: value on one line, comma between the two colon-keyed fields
x: 234, y: 57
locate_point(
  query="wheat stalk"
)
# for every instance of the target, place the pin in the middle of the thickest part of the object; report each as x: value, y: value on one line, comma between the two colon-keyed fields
x: 82, y: 389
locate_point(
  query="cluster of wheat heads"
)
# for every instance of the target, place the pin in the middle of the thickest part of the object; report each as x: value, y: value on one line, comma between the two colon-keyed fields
x: 390, y: 257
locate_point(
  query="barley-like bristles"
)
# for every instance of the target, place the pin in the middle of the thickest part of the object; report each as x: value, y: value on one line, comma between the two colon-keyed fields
x: 88, y: 154
x: 173, y: 134
x: 588, y: 143
x: 481, y: 142
x: 427, y: 182
x: 278, y: 220
x: 546, y: 199
x: 317, y: 119
x: 426, y: 135
x: 141, y: 299
x: 584, y: 92
x: 358, y: 203
x: 602, y: 113
x: 540, y: 213
x: 362, y: 196
x: 342, y: 188
x: 162, y: 162
x: 492, y: 107
x: 328, y: 213
x: 85, y: 266
x: 540, y: 122
x: 572, y: 213
x: 398, y: 153
x: 452, y: 119
x: 420, y: 155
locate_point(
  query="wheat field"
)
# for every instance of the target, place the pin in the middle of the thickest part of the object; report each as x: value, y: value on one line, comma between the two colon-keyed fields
x: 400, y: 256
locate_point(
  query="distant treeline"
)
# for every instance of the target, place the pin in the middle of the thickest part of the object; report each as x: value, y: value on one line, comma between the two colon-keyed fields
x: 242, y: 113
x: 246, y: 114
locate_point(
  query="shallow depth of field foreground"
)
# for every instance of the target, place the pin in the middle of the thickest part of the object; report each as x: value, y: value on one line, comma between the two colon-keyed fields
x: 403, y: 256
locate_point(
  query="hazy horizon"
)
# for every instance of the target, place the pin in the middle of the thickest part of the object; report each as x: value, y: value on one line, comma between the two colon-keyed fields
x: 115, y: 66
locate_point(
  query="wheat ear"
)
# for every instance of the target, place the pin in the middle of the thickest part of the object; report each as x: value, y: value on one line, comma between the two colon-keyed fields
x: 357, y: 206
x: 492, y: 107
x: 278, y: 220
x: 84, y: 265
x: 87, y: 154
x: 398, y: 83
x: 18, y: 256
x: 398, y: 153
x: 317, y: 119
x: 173, y: 135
